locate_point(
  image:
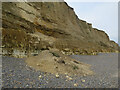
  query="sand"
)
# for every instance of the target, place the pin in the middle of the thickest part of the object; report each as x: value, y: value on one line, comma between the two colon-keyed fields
x: 52, y: 61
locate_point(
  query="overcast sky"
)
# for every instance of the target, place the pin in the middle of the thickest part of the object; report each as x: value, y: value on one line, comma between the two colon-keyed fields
x: 102, y: 15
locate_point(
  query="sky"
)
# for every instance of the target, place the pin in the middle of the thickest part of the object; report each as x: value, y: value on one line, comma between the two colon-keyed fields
x: 102, y: 15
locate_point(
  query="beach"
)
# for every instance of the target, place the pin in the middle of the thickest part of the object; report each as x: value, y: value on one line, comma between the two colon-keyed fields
x: 16, y: 74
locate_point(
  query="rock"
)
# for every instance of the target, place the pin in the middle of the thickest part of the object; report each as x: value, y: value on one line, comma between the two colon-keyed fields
x: 47, y: 82
x: 66, y: 49
x: 84, y: 75
x: 40, y: 76
x: 66, y: 73
x: 76, y: 84
x: 38, y: 64
x: 57, y: 76
x: 27, y: 85
x: 62, y: 52
x: 70, y: 78
x: 83, y: 80
x: 67, y: 76
x: 36, y: 30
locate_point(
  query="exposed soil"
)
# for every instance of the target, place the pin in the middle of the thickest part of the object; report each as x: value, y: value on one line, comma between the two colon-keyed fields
x: 54, y: 62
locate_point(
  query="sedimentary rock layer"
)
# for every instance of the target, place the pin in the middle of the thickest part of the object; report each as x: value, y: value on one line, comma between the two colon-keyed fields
x: 30, y: 26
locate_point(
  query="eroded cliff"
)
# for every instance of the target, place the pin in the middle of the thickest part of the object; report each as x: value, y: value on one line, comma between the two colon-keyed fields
x: 35, y: 26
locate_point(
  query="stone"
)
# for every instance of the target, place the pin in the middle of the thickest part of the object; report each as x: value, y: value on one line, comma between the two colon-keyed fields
x: 57, y: 76
x: 76, y: 84
x: 40, y: 76
x: 84, y: 75
x: 67, y: 76
x: 66, y: 49
x: 38, y: 64
x: 66, y: 73
x: 70, y: 78
x: 83, y: 80
x: 62, y: 52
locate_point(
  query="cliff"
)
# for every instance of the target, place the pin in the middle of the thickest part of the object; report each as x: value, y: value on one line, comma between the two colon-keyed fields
x: 35, y: 26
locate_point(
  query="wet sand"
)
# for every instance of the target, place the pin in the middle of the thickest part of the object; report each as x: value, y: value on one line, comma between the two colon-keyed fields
x: 16, y: 74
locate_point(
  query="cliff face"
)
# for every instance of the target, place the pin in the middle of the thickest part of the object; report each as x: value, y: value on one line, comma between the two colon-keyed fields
x: 34, y: 26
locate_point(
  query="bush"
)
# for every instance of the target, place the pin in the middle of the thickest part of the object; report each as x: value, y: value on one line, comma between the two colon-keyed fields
x: 55, y: 54
x: 75, y: 67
